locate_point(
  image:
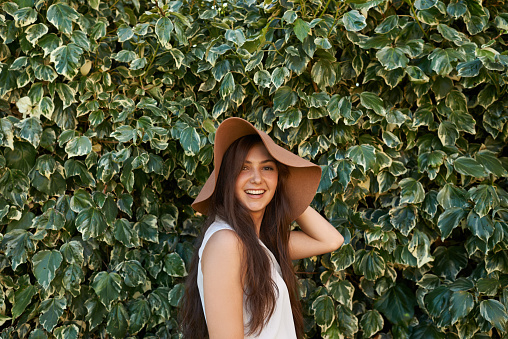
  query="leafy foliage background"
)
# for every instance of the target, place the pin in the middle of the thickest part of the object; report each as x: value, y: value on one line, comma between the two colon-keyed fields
x: 108, y: 112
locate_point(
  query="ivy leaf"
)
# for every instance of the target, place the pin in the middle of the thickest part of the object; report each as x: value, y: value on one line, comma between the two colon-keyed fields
x: 448, y: 133
x: 147, y: 228
x: 491, y: 163
x: 339, y: 107
x: 323, y: 74
x: 449, y: 261
x: 450, y: 219
x: 96, y: 312
x: 91, y: 223
x: 369, y: 264
x: 66, y: 60
x: 17, y: 244
x: 279, y: 76
x: 343, y: 257
x: 482, y: 227
x: 30, y: 130
x: 284, y: 98
x: 469, y: 166
x: 236, y: 36
x: 371, y: 323
x: 403, y: 218
x: 227, y: 85
x: 452, y: 196
x: 392, y: 58
x: 290, y: 118
x: 139, y: 312
x: 301, y: 29
x: 354, y: 21
x: 189, y: 138
x: 495, y: 313
x: 51, y: 310
x: 61, y: 16
x: 324, y: 311
x: 412, y: 191
x: 397, y: 304
x: 22, y: 296
x: 49, y: 220
x: 132, y: 272
x: 107, y: 286
x: 348, y: 322
x: 66, y: 332
x: 78, y: 146
x: 485, y: 198
x: 35, y: 32
x: 45, y: 265
x: 174, y: 265
x: 117, y: 323
x: 163, y: 29
x: 372, y: 101
x: 363, y: 155
x: 342, y: 291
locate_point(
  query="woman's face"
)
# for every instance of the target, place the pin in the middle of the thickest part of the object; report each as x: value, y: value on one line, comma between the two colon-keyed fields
x: 255, y: 185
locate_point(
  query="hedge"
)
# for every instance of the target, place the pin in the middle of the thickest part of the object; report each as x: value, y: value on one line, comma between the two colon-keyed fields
x: 107, y: 118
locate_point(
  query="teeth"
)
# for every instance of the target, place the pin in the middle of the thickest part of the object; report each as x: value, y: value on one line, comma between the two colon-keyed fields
x: 254, y: 191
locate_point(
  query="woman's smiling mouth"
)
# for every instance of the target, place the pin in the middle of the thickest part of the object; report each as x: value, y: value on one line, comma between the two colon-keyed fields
x: 254, y: 192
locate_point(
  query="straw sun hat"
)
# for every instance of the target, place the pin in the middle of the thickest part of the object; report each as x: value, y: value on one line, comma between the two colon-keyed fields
x: 304, y: 176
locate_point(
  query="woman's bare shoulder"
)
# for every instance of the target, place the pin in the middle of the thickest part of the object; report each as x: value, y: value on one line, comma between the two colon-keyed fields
x: 223, y: 243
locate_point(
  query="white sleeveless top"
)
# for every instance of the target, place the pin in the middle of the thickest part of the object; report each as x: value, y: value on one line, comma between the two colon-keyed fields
x: 280, y: 325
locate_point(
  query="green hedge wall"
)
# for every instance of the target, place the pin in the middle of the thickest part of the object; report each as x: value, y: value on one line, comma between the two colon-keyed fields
x: 107, y: 120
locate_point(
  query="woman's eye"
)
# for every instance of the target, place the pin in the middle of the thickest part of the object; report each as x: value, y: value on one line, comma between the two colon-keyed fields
x: 244, y: 168
x: 269, y: 168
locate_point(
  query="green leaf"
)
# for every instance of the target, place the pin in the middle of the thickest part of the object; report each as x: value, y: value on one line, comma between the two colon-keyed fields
x: 392, y: 58
x: 25, y: 16
x: 30, y: 130
x: 342, y: 291
x: 35, y: 32
x: 403, y: 218
x: 442, y: 59
x: 38, y: 334
x: 49, y: 43
x: 66, y: 60
x: 125, y: 32
x: 448, y: 133
x: 419, y: 246
x: 343, y: 257
x: 437, y: 301
x: 339, y: 107
x: 73, y: 252
x: 14, y: 186
x: 387, y: 25
x: 397, y: 304
x: 372, y: 101
x: 107, y: 286
x: 469, y: 166
x: 132, y: 272
x: 495, y: 313
x: 482, y: 227
x: 371, y: 323
x: 117, y: 323
x: 78, y: 146
x: 469, y: 68
x: 163, y: 29
x: 45, y: 265
x: 290, y: 118
x: 323, y: 73
x: 190, y: 141
x: 96, y: 312
x: 61, y: 16
x: 17, y: 244
x: 301, y: 29
x: 176, y: 294
x: 450, y: 219
x: 354, y: 21
x: 66, y: 332
x: 363, y: 155
x: 324, y: 311
x: 51, y: 310
x: 174, y: 265
x: 369, y: 264
x: 449, y: 261
x: 91, y: 223
x: 147, y: 228
x: 139, y: 312
x: 236, y: 36
x: 49, y: 220
x: 425, y: 4
x: 284, y: 98
x: 491, y: 163
x: 485, y: 198
x: 22, y: 296
x: 125, y: 233
x: 279, y: 76
x: 227, y: 85
x: 412, y: 191
x: 452, y: 196
x: 497, y: 261
x: 348, y: 322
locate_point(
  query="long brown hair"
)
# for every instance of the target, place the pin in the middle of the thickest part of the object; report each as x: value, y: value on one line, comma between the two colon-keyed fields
x: 260, y: 292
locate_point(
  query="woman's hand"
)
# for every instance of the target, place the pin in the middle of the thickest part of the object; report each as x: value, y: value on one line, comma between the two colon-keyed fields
x: 317, y: 236
x: 222, y: 285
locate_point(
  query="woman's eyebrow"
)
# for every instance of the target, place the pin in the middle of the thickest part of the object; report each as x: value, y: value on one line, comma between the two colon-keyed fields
x: 261, y: 162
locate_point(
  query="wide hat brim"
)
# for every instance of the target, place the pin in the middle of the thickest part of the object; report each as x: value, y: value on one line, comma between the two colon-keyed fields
x: 304, y: 176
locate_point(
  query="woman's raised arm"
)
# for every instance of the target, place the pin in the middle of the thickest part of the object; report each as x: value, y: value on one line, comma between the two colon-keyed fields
x: 317, y: 236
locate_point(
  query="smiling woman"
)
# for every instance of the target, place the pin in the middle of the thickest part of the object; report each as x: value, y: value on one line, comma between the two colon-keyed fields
x: 241, y: 282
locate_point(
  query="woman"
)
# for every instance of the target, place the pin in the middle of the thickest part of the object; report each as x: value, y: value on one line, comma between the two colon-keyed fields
x: 241, y: 282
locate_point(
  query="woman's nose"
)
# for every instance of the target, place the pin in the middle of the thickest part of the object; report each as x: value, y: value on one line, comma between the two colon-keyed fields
x: 256, y: 176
